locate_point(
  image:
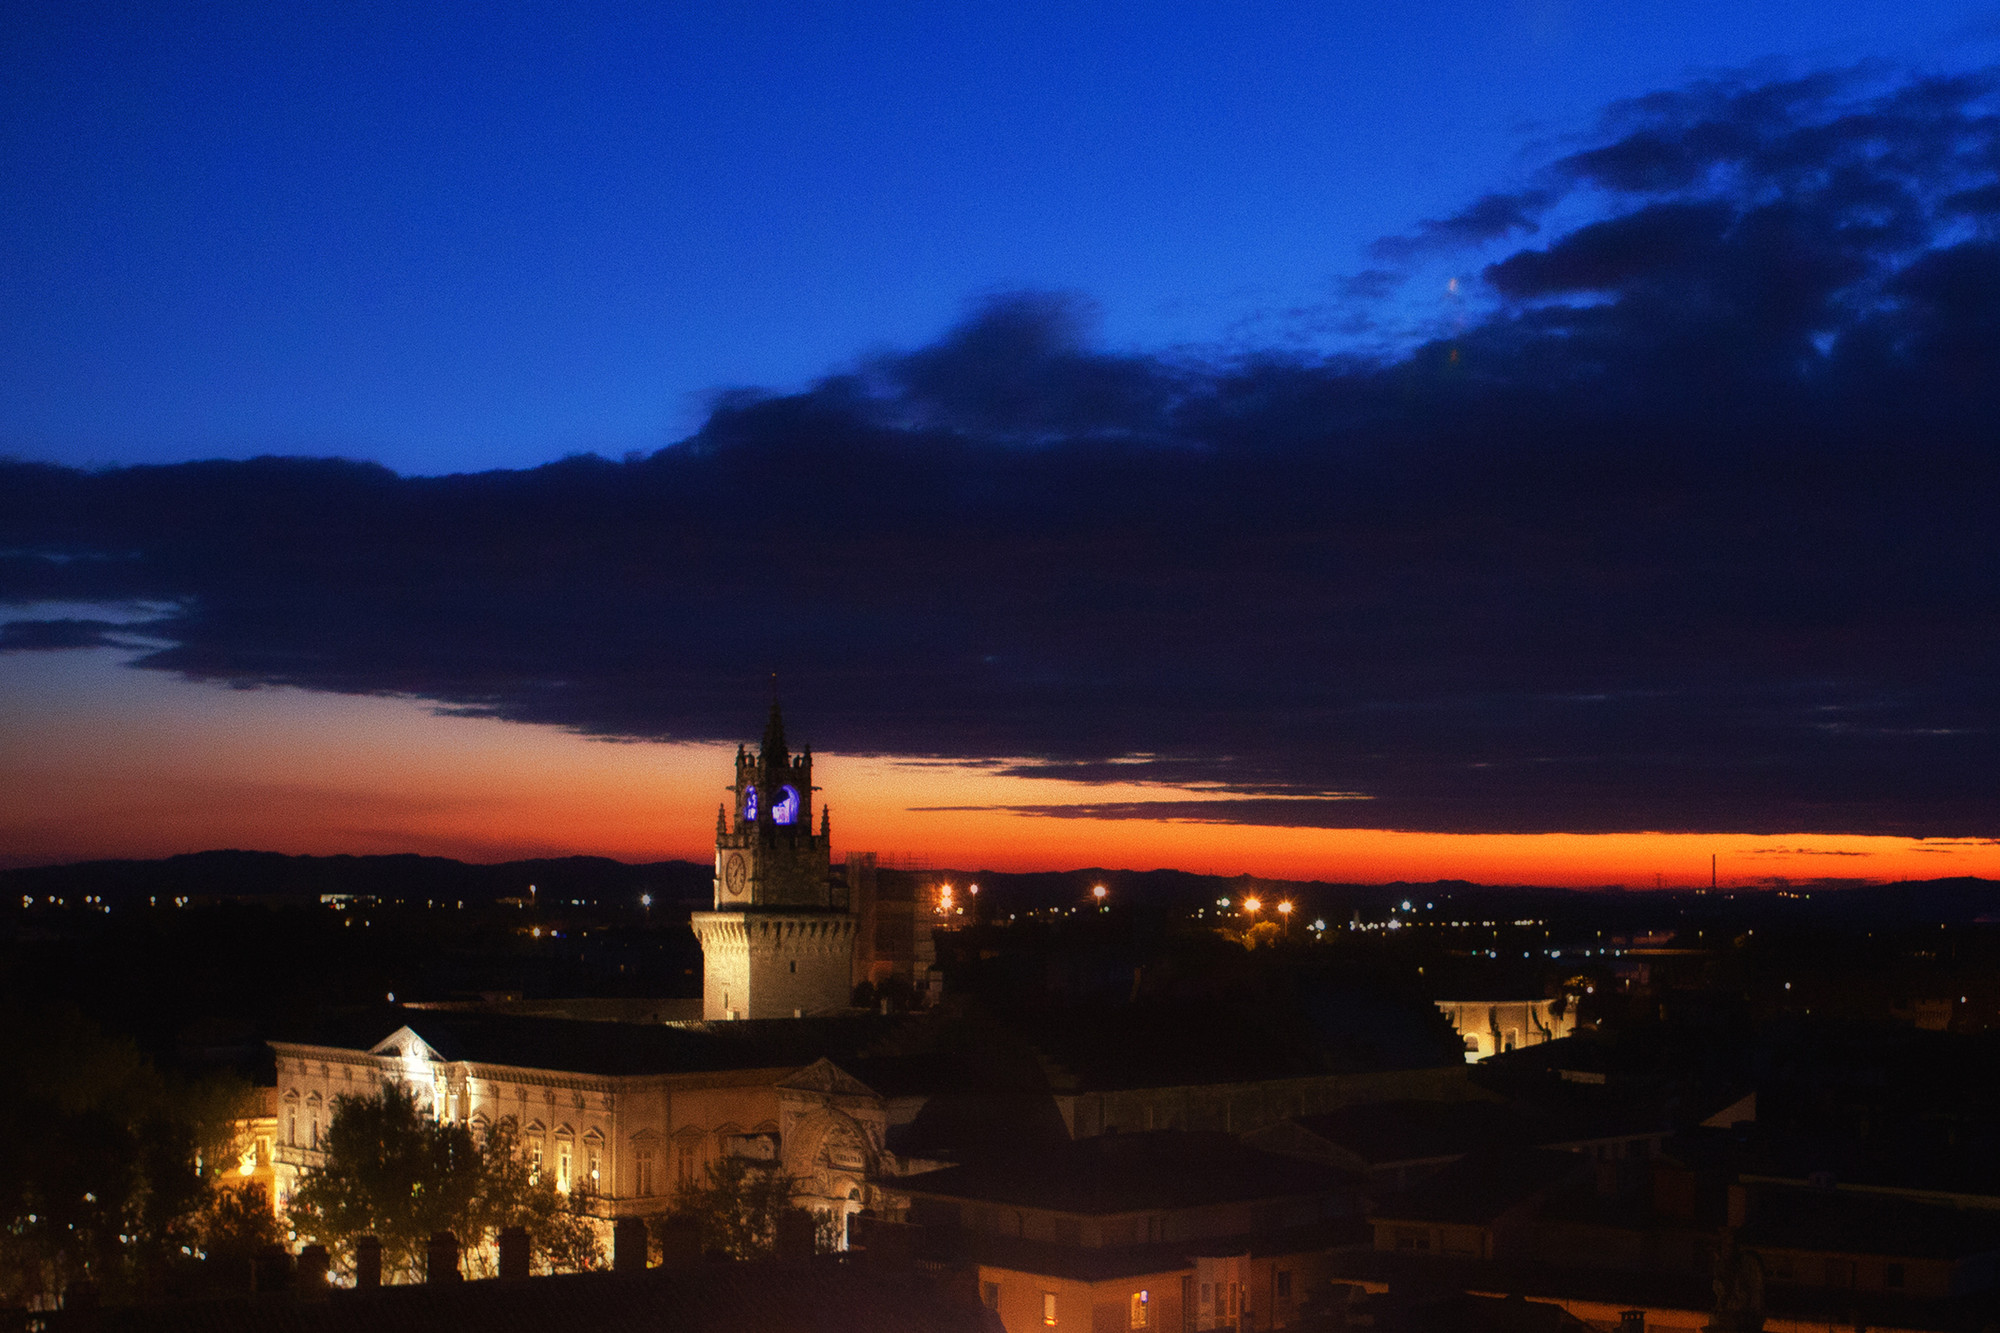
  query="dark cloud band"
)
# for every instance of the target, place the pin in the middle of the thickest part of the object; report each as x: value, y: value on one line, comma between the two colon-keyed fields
x: 1692, y: 528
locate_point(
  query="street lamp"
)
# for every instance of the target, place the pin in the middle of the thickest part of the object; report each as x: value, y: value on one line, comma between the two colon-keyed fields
x: 1252, y: 905
x: 1099, y: 893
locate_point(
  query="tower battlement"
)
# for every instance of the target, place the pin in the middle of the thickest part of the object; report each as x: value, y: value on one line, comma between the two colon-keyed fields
x: 780, y: 941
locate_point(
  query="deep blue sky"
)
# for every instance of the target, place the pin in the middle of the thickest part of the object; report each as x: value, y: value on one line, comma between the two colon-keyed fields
x: 501, y: 236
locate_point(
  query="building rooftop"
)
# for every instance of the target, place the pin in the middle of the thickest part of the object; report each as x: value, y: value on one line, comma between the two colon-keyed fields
x: 1123, y: 1173
x: 1848, y: 1222
x: 607, y: 1049
x: 1384, y: 1133
x: 1480, y: 1187
x: 718, y: 1298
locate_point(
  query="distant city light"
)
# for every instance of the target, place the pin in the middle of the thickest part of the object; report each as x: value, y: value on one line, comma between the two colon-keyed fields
x: 1252, y: 905
x: 645, y: 900
x: 1286, y: 908
x: 1099, y: 892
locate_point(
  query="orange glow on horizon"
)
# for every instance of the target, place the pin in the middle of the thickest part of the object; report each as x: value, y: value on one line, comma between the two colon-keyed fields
x: 104, y: 761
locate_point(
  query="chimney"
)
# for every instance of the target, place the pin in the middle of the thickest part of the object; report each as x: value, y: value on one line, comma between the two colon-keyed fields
x: 311, y: 1280
x: 1631, y: 1321
x: 680, y: 1241
x: 886, y: 1242
x: 441, y: 1255
x: 514, y: 1252
x: 796, y: 1233
x: 367, y: 1263
x: 628, y: 1245
x: 271, y: 1269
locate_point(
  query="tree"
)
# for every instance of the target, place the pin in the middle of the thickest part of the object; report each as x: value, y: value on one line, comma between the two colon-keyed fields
x: 738, y: 1208
x: 561, y: 1238
x: 232, y: 1228
x: 105, y: 1163
x: 394, y: 1172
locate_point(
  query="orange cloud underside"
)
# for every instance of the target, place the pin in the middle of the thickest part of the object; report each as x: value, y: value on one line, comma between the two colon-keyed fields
x: 104, y: 761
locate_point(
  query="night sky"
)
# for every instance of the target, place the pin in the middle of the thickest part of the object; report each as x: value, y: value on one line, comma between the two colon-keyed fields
x: 1515, y: 441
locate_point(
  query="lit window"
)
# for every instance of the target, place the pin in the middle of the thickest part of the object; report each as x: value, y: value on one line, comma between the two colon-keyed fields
x: 1141, y: 1300
x: 1048, y: 1309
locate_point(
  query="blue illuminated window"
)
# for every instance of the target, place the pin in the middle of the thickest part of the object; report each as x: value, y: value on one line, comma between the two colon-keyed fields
x: 750, y: 804
x: 787, y: 808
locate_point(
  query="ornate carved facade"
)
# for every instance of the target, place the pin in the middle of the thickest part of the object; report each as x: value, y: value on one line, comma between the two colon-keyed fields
x: 622, y: 1141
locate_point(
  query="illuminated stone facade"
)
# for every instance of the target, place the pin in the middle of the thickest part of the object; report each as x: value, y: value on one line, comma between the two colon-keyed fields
x: 622, y: 1142
x: 780, y: 940
x: 1494, y: 1027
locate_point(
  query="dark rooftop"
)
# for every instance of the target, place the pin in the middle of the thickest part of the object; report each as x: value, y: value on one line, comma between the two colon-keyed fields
x: 1169, y: 1043
x: 719, y: 1298
x: 1119, y: 1173
x: 1480, y: 1187
x: 609, y: 1049
x: 1848, y: 1222
x: 1412, y: 1131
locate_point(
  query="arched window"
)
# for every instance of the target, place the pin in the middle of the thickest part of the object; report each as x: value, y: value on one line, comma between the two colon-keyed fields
x: 565, y: 1159
x: 531, y: 1146
x: 687, y: 1158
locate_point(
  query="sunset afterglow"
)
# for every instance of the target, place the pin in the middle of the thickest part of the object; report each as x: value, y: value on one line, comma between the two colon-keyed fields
x: 120, y: 763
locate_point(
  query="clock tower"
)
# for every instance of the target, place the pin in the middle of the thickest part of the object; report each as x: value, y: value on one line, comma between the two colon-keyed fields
x: 780, y: 940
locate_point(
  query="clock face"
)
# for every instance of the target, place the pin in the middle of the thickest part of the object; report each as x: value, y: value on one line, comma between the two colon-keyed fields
x: 733, y: 873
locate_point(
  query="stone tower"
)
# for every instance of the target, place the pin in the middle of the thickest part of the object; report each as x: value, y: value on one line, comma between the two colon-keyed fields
x: 780, y: 942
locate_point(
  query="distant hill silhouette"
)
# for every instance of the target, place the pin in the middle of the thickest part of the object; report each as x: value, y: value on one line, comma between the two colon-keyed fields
x: 674, y: 885
x: 403, y: 878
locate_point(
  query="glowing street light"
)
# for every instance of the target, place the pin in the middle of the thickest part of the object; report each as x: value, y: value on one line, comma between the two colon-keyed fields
x: 1253, y: 905
x: 1286, y: 908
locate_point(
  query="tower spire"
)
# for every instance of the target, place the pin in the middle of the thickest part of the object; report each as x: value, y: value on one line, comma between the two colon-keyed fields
x: 774, y: 734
